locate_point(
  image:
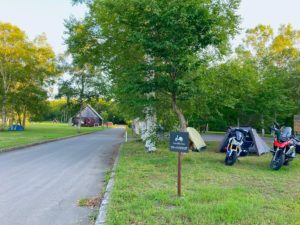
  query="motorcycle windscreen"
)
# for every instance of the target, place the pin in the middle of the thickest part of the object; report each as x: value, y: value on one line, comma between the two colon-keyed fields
x: 239, y: 136
x: 286, y: 133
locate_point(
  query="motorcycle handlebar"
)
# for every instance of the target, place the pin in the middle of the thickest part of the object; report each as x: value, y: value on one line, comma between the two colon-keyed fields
x: 277, y: 130
x: 276, y: 125
x: 293, y: 137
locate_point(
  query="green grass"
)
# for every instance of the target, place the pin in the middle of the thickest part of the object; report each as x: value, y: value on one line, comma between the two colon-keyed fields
x: 83, y: 202
x: 37, y: 132
x: 246, y: 193
x: 93, y: 217
x: 214, y: 132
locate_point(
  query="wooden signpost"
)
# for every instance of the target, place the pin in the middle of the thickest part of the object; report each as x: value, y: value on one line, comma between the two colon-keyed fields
x: 179, y: 142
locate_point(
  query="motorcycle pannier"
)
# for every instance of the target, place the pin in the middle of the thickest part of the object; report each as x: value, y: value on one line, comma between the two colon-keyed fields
x: 298, y: 148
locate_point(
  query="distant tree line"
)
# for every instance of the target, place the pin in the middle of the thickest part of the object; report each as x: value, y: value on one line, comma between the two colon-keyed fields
x: 63, y: 110
x: 257, y: 84
x: 28, y: 71
x: 171, y: 56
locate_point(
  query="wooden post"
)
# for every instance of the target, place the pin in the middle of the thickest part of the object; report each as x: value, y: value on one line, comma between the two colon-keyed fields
x: 179, y: 142
x: 179, y: 175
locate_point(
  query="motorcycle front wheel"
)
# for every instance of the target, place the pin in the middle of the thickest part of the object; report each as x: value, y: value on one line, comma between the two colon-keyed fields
x: 230, y: 160
x: 277, y: 162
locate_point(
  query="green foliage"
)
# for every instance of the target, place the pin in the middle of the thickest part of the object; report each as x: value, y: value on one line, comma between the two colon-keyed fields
x: 83, y: 202
x: 254, y: 87
x: 167, y: 53
x: 63, y: 111
x: 152, y: 46
x: 26, y: 70
x: 88, y: 81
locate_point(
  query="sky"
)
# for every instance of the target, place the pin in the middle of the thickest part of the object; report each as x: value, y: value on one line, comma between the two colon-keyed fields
x: 41, y: 16
x: 269, y: 12
x: 38, y: 16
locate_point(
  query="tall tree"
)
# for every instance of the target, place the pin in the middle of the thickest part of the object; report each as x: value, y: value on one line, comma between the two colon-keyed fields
x: 26, y: 68
x: 275, y: 58
x: 13, y: 49
x: 156, y: 45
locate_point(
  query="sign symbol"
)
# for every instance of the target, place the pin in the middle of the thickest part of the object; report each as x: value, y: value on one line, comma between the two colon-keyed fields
x: 178, y: 138
x: 179, y: 142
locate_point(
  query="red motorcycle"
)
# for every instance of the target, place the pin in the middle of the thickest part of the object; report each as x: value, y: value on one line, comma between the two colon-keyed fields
x: 284, y: 147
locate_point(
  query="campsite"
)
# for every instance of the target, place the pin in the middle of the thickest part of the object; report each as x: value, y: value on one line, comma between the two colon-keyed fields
x: 126, y: 112
x: 247, y: 193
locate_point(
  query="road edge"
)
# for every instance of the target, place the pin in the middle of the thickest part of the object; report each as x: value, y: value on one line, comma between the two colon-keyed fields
x: 45, y: 142
x: 101, y: 218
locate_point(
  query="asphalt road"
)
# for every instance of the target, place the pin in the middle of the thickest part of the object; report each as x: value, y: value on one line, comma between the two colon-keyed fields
x: 212, y: 137
x: 41, y: 185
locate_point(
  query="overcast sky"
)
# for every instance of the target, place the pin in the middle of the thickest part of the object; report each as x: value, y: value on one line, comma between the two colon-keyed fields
x: 38, y: 16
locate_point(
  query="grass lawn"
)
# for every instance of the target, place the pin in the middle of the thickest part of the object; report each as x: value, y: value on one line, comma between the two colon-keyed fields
x: 214, y: 132
x: 246, y: 193
x: 37, y: 132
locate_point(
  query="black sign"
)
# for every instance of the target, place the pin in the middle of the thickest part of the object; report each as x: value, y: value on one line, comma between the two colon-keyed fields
x: 179, y: 142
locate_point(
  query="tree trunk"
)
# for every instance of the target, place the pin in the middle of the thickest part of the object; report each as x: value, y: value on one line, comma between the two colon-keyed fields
x: 182, y: 120
x: 298, y: 99
x: 24, y: 119
x: 275, y: 116
x: 3, y: 112
x: 12, y: 117
x: 79, y: 122
x: 4, y: 97
x: 81, y: 100
x: 262, y: 126
x: 19, y: 118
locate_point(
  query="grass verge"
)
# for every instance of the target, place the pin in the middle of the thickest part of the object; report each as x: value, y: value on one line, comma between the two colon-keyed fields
x: 214, y: 132
x: 246, y: 193
x: 38, y: 132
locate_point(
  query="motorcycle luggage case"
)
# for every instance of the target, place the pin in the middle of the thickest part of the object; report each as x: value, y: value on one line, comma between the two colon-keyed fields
x: 298, y: 148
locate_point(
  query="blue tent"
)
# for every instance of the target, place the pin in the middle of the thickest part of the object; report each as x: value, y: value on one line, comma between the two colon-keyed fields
x: 16, y: 127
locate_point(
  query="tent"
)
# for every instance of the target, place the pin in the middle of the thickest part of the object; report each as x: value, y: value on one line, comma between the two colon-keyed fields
x: 16, y: 127
x: 89, y: 117
x: 196, y: 141
x: 253, y: 143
